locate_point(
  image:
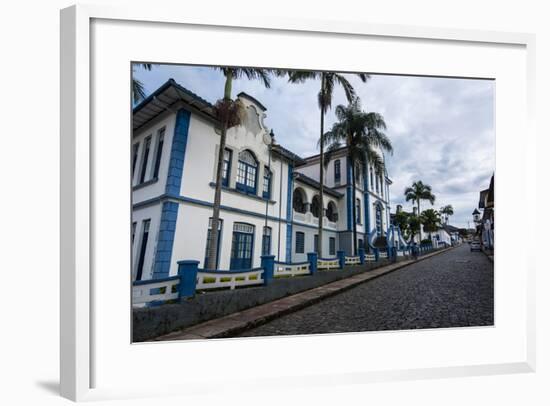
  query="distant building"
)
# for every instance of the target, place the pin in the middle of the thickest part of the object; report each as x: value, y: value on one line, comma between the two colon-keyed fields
x: 486, y: 224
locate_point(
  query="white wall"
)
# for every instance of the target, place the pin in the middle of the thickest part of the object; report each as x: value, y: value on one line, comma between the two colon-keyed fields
x: 167, y: 121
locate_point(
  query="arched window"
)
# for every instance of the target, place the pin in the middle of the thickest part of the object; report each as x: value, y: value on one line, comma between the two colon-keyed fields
x: 299, y: 201
x: 371, y: 179
x: 332, y: 212
x: 316, y: 206
x: 246, y: 172
x: 378, y: 211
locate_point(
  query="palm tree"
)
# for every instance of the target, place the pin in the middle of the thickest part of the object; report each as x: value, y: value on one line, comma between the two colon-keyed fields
x: 362, y: 134
x: 417, y: 192
x: 447, y: 211
x: 230, y: 113
x: 431, y: 221
x: 138, y: 91
x: 328, y: 82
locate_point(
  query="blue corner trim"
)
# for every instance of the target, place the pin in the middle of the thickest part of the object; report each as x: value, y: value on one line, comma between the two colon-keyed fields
x: 349, y: 203
x: 290, y: 184
x: 177, y: 153
x: 366, y: 199
x: 165, y: 243
x: 169, y: 215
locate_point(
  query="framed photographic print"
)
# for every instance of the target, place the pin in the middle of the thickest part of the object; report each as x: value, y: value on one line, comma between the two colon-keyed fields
x: 307, y: 188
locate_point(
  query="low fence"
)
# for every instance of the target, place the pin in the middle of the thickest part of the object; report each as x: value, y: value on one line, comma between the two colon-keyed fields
x: 286, y: 269
x: 191, y: 279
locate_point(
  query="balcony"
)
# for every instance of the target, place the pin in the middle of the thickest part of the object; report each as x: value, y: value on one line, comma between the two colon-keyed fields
x: 309, y: 219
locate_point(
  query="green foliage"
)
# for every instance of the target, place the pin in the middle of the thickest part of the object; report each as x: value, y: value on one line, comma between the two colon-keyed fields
x: 431, y: 220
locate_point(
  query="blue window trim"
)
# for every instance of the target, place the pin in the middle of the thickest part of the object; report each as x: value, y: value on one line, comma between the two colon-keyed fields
x: 332, y: 246
x: 300, y: 249
x: 267, y: 174
x: 225, y: 180
x: 266, y: 242
x: 169, y: 215
x: 243, y: 187
x: 337, y: 171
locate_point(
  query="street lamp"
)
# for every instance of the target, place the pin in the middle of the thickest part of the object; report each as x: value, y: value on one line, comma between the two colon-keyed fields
x: 477, y: 219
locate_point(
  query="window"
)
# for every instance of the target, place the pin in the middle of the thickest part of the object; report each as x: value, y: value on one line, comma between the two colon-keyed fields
x: 144, y: 159
x: 134, y: 225
x: 377, y: 184
x: 316, y: 206
x: 242, y: 246
x: 378, y: 220
x: 208, y: 236
x: 266, y: 192
x: 332, y: 246
x: 357, y: 173
x: 246, y: 173
x: 332, y: 213
x: 299, y: 201
x: 360, y: 243
x: 266, y: 241
x: 381, y: 186
x: 158, y: 156
x: 315, y: 243
x: 227, y: 154
x: 299, y: 242
x: 142, y: 249
x: 135, y: 149
x: 371, y: 179
x: 358, y: 210
x: 337, y: 173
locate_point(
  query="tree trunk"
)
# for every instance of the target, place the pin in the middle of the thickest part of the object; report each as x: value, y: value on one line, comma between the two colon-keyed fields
x: 419, y: 223
x: 321, y: 172
x: 214, y: 233
x: 354, y: 209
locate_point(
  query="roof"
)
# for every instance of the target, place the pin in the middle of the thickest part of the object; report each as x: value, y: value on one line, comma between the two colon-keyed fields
x: 491, y: 194
x: 285, y: 153
x: 482, y: 198
x: 254, y: 100
x: 163, y: 98
x: 451, y: 229
x: 313, y: 183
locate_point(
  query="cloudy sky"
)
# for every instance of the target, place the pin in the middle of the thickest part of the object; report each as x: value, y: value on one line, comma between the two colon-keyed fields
x: 442, y: 129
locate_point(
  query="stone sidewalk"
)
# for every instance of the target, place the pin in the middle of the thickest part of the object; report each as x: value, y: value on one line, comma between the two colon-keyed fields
x: 237, y: 322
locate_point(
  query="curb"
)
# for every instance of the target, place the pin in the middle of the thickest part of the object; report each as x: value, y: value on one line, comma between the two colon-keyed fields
x: 238, y: 322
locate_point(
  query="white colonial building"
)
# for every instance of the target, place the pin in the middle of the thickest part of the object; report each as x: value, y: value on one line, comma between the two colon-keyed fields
x: 270, y: 196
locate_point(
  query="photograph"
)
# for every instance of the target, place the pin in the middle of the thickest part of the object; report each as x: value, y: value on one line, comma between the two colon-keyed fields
x: 278, y: 202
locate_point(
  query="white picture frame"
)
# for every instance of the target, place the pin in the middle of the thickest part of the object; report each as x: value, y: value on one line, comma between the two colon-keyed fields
x: 77, y: 284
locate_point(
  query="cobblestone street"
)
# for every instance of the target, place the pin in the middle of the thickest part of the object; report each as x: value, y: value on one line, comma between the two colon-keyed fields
x: 453, y: 289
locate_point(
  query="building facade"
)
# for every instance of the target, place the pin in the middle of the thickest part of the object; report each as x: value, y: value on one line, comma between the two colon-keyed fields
x: 270, y: 196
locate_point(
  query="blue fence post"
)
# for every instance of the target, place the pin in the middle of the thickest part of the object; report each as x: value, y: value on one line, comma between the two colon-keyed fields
x: 361, y: 256
x: 376, y: 254
x: 268, y: 263
x: 312, y: 258
x: 187, y: 271
x: 341, y: 258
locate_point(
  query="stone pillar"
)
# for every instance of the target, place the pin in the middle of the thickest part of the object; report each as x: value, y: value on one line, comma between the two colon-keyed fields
x: 362, y: 255
x: 187, y: 271
x: 341, y: 258
x: 268, y: 263
x: 312, y: 258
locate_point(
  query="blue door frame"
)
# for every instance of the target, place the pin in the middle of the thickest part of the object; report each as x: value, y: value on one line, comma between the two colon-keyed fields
x: 242, y: 248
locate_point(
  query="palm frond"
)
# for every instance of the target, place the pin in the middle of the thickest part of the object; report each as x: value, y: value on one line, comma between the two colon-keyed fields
x: 138, y: 90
